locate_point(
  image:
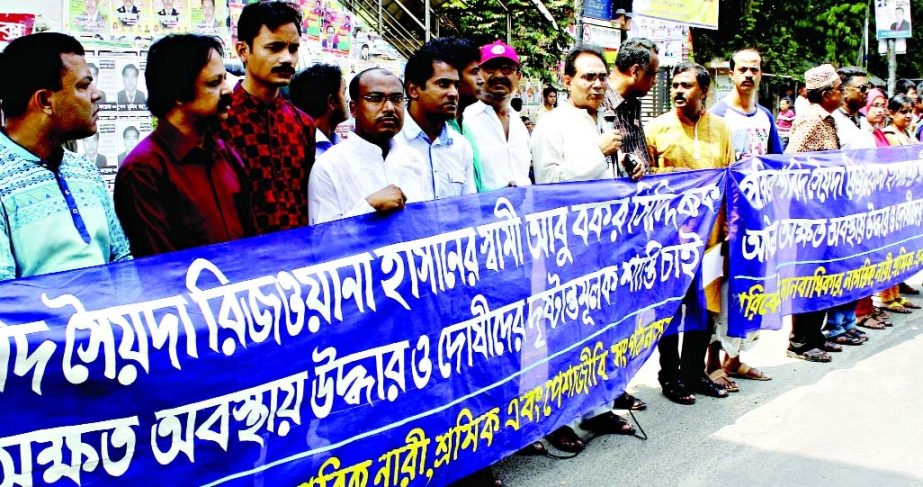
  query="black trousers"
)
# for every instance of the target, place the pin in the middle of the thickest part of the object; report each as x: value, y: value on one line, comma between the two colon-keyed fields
x: 807, y: 330
x: 691, y: 364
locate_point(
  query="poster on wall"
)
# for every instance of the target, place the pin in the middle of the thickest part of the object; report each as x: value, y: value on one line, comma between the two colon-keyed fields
x: 695, y: 13
x: 14, y: 26
x: 171, y: 16
x: 131, y: 17
x: 892, y: 19
x: 672, y: 38
x: 207, y: 17
x: 88, y: 17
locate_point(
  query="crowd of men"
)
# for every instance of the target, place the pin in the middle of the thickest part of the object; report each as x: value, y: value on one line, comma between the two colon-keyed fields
x: 226, y: 163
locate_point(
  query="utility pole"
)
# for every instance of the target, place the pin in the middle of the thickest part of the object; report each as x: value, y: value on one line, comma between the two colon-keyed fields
x: 892, y: 66
x: 578, y: 22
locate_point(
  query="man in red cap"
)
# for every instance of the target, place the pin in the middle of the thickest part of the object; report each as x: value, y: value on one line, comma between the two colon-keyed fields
x: 502, y: 137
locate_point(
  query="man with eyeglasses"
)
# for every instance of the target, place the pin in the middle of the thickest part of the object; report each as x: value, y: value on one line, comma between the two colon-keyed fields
x: 433, y: 87
x: 568, y: 145
x: 855, y: 87
x: 371, y: 170
x: 502, y: 138
x: 634, y: 75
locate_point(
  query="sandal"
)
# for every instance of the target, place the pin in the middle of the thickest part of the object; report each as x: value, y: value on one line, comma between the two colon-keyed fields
x: 566, y: 439
x: 533, y: 449
x: 845, y: 339
x: 896, y: 307
x: 905, y: 288
x: 907, y: 303
x: 879, y: 313
x: 747, y: 372
x: 812, y: 355
x: 676, y: 391
x: 720, y: 377
x: 832, y: 347
x: 869, y: 321
x: 859, y: 334
x: 608, y: 423
x: 627, y: 401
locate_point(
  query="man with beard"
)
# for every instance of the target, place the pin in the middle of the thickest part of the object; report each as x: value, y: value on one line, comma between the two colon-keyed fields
x: 848, y: 118
x: 181, y: 186
x: 467, y: 60
x: 371, y: 170
x: 689, y: 138
x: 568, y: 145
x: 320, y: 91
x: 501, y: 137
x: 51, y: 100
x: 432, y: 88
x: 275, y: 139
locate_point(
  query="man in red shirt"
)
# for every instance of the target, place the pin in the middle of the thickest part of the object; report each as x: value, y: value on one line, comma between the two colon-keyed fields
x: 275, y: 139
x: 182, y: 187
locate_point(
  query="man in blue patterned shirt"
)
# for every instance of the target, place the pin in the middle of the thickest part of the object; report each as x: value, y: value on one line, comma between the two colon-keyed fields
x: 55, y: 211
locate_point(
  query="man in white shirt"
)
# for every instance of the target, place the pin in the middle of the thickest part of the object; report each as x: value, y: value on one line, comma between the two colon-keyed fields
x: 432, y: 88
x: 502, y: 137
x: 849, y: 129
x: 370, y: 171
x: 567, y: 144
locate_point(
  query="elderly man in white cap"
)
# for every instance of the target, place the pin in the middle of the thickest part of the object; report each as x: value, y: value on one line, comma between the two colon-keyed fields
x: 501, y: 136
x: 815, y: 130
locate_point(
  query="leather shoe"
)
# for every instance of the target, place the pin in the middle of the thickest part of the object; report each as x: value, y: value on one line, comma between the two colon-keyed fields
x: 704, y: 385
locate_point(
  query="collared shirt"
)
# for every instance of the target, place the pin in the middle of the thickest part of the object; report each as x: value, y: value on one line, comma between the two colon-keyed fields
x: 354, y: 169
x: 475, y: 154
x: 565, y: 147
x: 171, y: 194
x: 850, y: 131
x: 541, y: 112
x: 752, y: 134
x: 323, y: 143
x: 802, y: 105
x: 449, y: 160
x: 54, y: 221
x: 276, y: 142
x: 814, y: 130
x: 503, y: 159
x: 705, y: 145
x: 628, y: 122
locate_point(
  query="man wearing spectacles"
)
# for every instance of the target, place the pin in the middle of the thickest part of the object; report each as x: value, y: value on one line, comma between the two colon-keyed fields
x: 634, y: 75
x: 369, y: 171
x: 849, y: 121
x: 502, y: 138
x: 568, y: 145
x: 432, y: 86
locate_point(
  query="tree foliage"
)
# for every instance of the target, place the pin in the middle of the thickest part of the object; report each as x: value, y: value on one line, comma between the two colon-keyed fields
x: 537, y: 42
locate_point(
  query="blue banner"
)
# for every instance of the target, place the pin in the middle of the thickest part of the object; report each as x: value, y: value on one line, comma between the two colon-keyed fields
x: 404, y: 349
x: 812, y: 231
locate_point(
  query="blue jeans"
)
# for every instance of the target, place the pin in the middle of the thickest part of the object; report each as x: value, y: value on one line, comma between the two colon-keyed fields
x: 840, y: 320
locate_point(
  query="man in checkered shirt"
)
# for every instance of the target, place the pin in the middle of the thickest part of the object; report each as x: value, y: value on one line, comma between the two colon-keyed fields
x: 275, y: 139
x: 632, y: 78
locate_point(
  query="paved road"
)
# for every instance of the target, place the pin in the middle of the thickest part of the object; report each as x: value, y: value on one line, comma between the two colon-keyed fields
x: 856, y: 421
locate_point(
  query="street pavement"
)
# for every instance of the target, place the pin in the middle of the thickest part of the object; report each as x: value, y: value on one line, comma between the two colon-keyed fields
x: 854, y: 422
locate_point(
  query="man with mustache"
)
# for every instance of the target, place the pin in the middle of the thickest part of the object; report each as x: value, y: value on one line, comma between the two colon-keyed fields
x: 181, y: 186
x: 371, y: 170
x: 432, y: 88
x: 275, y: 139
x: 753, y: 133
x: 502, y: 138
x: 688, y: 138
x: 568, y: 145
x: 633, y: 76
x: 62, y: 216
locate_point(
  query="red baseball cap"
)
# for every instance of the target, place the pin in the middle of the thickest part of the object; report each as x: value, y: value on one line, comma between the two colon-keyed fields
x: 497, y: 50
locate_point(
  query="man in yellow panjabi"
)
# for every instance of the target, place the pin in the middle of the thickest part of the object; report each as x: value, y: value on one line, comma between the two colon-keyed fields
x: 685, y: 138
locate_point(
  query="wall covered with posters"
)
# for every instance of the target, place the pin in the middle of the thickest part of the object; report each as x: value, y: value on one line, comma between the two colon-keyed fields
x: 117, y: 33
